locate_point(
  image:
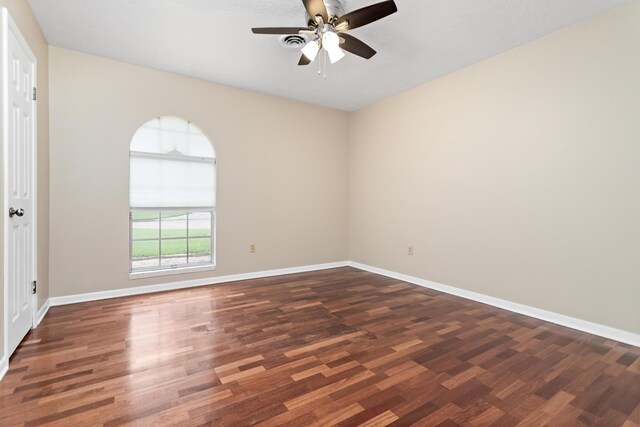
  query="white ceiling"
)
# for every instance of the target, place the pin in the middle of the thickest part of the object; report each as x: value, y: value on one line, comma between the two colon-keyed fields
x: 211, y: 40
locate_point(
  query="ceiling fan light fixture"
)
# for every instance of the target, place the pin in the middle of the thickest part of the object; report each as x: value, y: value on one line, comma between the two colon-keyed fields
x: 331, y: 43
x: 311, y: 50
x: 330, y: 40
x: 335, y: 54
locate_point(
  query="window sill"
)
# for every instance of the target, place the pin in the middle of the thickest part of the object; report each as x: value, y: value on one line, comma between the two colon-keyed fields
x: 170, y: 272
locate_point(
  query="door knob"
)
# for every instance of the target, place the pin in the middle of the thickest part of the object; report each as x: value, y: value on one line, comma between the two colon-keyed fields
x: 16, y: 212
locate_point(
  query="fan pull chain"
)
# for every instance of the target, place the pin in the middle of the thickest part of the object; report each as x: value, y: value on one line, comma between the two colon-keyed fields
x: 324, y: 65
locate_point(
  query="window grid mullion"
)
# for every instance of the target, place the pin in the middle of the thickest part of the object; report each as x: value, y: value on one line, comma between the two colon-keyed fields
x: 168, y: 238
x: 159, y: 239
x: 130, y: 240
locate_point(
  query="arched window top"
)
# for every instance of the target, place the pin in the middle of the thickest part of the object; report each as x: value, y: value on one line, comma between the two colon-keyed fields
x: 173, y: 136
x: 172, y: 166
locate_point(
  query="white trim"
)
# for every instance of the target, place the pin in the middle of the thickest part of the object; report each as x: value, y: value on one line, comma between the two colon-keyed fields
x: 34, y: 194
x: 42, y: 312
x: 94, y: 296
x: 5, y: 184
x: 548, y: 316
x: 170, y: 271
x: 4, y: 366
x: 175, y: 156
x: 8, y: 25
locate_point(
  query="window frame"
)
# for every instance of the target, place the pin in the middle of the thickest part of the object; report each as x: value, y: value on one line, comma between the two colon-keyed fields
x: 165, y: 270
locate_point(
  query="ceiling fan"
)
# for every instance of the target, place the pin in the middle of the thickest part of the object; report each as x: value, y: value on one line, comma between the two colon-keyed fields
x: 327, y: 26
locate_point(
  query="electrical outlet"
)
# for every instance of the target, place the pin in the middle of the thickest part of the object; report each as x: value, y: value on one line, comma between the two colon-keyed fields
x: 252, y: 248
x: 410, y: 251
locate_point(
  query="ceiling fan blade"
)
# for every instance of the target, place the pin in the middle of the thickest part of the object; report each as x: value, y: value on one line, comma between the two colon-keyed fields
x: 278, y: 30
x: 316, y: 7
x: 367, y: 15
x: 304, y: 60
x: 357, y: 47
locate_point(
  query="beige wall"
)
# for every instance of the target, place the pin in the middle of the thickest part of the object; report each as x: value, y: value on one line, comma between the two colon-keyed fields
x: 25, y: 20
x: 281, y: 182
x: 518, y: 177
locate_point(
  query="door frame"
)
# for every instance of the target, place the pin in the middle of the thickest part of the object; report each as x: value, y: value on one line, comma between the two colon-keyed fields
x: 8, y: 25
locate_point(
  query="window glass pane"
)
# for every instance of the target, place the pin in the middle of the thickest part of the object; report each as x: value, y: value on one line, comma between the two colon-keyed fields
x: 174, y: 224
x: 146, y: 140
x: 199, y: 250
x: 144, y: 215
x: 174, y: 124
x: 145, y: 225
x: 200, y: 224
x: 199, y: 146
x: 174, y: 252
x: 173, y: 138
x: 170, y: 251
x: 144, y: 254
x: 167, y: 134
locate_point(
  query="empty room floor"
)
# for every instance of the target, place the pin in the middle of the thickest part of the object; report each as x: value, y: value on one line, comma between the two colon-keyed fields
x: 339, y: 346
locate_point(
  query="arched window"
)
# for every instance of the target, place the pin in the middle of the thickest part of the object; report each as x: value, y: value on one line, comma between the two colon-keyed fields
x: 172, y: 196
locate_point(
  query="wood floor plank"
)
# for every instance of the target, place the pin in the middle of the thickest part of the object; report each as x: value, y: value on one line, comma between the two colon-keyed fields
x: 336, y: 347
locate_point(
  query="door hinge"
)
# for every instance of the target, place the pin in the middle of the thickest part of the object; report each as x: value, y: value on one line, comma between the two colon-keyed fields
x: 34, y: 285
x: 35, y: 94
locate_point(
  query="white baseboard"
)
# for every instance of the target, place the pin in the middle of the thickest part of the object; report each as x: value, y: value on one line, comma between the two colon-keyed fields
x: 94, y: 296
x: 4, y: 367
x: 559, y: 319
x: 548, y: 316
x: 43, y: 311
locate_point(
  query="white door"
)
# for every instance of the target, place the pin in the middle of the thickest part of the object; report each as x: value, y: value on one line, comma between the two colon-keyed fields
x: 19, y: 111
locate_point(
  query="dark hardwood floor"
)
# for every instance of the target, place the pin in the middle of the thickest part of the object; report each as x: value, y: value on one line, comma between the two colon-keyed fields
x: 335, y: 347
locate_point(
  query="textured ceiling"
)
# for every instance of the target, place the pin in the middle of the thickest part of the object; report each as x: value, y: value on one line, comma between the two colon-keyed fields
x: 211, y: 40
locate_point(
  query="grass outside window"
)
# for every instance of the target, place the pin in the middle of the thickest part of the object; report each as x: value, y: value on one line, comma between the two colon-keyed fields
x: 170, y: 239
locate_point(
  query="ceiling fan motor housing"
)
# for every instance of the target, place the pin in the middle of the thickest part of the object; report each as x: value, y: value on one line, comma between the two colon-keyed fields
x: 334, y: 8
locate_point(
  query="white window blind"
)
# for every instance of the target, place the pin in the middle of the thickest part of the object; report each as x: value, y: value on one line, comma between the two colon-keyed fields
x: 172, y: 164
